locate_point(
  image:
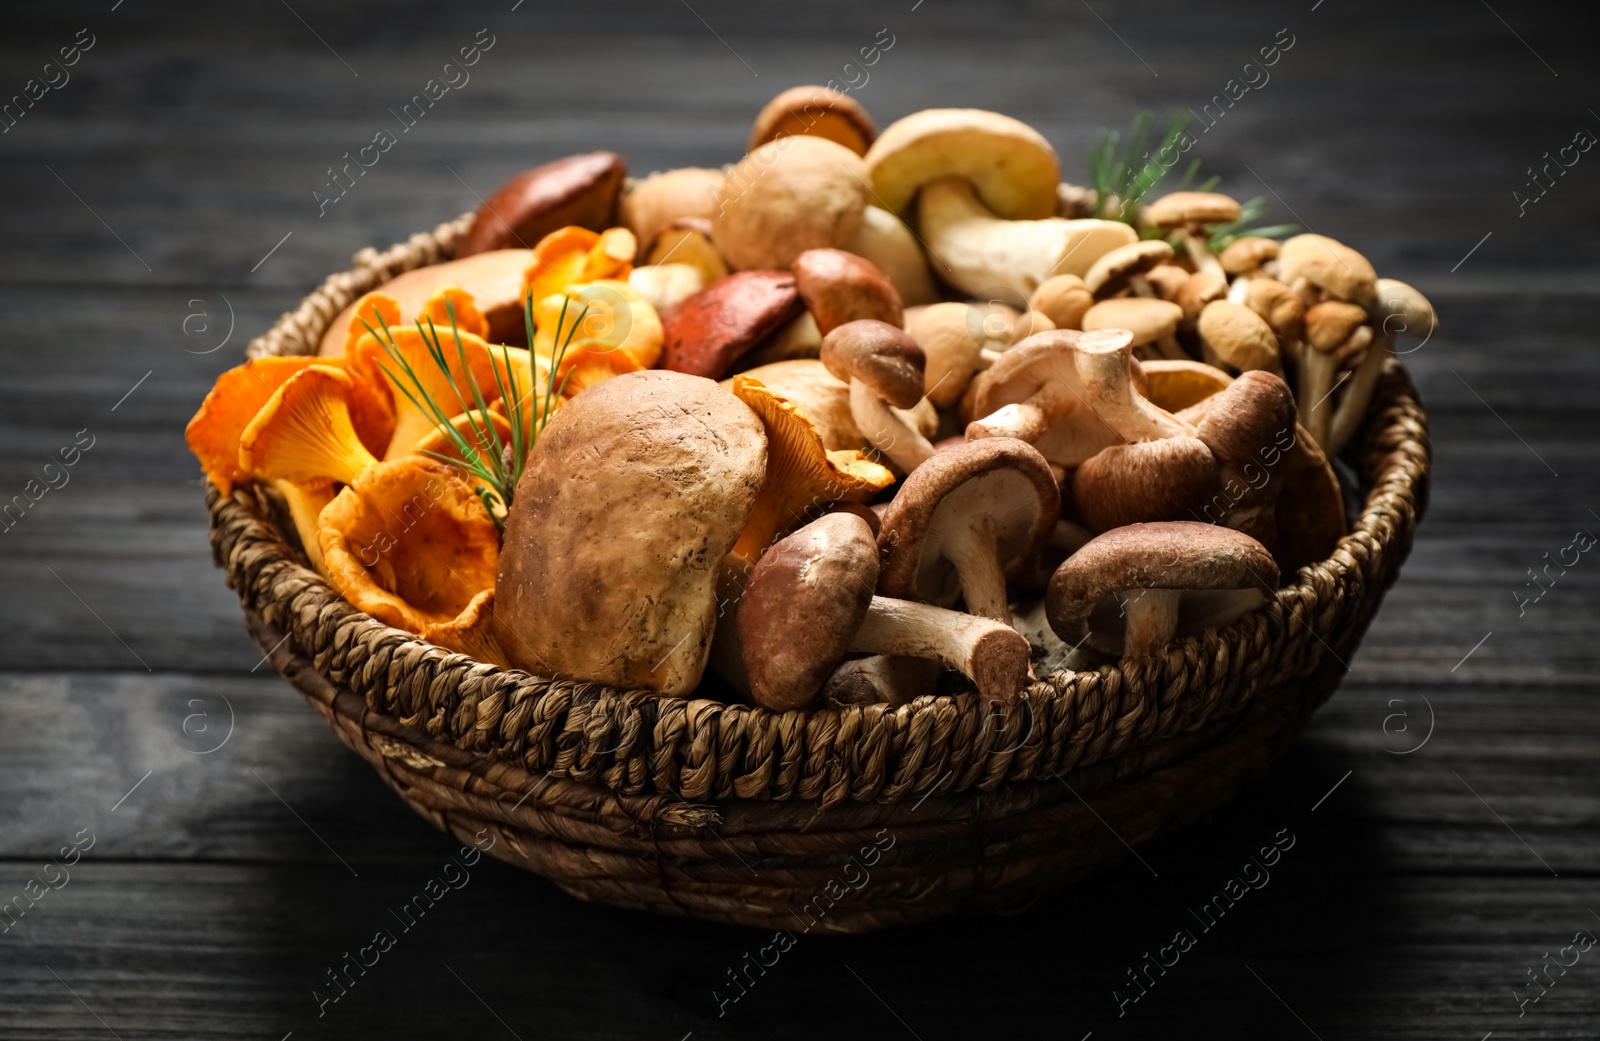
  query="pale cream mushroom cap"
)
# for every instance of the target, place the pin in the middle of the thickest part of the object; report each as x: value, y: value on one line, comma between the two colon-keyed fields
x: 786, y: 197
x: 1330, y: 265
x: 1192, y: 209
x: 1012, y: 166
x: 1148, y: 319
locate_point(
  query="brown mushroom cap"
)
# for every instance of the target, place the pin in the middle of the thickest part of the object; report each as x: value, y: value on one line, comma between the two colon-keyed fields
x: 1330, y: 265
x: 1147, y: 318
x: 1198, y: 290
x: 634, y: 493
x: 1249, y: 427
x: 1221, y: 574
x: 880, y: 355
x: 1284, y: 311
x: 1244, y: 255
x: 1165, y: 479
x: 1012, y: 166
x: 1331, y: 322
x: 998, y: 489
x: 1111, y: 272
x: 840, y: 287
x: 1192, y: 209
x: 786, y: 197
x: 1238, y: 336
x: 820, y: 111
x: 580, y: 189
x: 804, y: 602
x: 649, y: 206
x: 1166, y: 279
x: 707, y: 333
x: 1063, y: 299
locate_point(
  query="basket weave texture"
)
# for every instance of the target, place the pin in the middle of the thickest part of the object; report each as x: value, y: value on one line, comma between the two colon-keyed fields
x: 829, y: 820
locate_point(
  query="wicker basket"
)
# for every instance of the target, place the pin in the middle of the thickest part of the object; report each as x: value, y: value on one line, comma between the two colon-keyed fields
x: 835, y: 821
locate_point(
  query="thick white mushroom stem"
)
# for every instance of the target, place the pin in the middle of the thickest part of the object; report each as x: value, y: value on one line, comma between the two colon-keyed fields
x: 888, y: 429
x: 1318, y: 370
x: 976, y: 557
x: 1152, y: 619
x: 1200, y: 252
x: 1346, y: 419
x: 1024, y: 421
x: 977, y: 252
x: 993, y: 655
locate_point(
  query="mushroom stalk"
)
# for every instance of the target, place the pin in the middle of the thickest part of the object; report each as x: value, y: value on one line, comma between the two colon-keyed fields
x: 993, y: 655
x: 887, y: 429
x: 1346, y: 419
x: 1024, y: 421
x: 1317, y: 371
x: 975, y: 555
x: 1200, y: 252
x: 1152, y: 619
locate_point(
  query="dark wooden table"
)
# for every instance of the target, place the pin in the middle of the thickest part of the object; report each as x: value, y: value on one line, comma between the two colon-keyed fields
x: 159, y: 211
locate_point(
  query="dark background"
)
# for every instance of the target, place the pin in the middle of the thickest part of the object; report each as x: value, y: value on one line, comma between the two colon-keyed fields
x: 140, y: 199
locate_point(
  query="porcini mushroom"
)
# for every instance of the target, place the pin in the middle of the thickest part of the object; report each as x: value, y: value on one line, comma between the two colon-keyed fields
x: 840, y: 287
x: 787, y: 197
x: 1398, y: 308
x: 884, y: 240
x: 1233, y: 337
x: 688, y: 241
x: 1132, y: 590
x: 1125, y: 268
x: 1012, y: 167
x: 884, y: 367
x: 580, y: 190
x: 810, y: 602
x: 955, y: 339
x: 650, y: 206
x: 1064, y: 299
x: 1189, y: 215
x: 1153, y: 323
x: 819, y: 111
x: 409, y: 543
x: 709, y: 332
x: 965, y: 521
x: 634, y: 493
x: 977, y: 252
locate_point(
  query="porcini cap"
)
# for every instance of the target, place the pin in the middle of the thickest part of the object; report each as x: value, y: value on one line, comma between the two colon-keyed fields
x: 1012, y: 166
x: 783, y: 199
x: 707, y: 333
x: 819, y: 111
x: 580, y: 190
x: 840, y: 287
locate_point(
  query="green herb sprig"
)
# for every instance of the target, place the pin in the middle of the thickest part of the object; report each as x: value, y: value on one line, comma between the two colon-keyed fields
x: 496, y: 463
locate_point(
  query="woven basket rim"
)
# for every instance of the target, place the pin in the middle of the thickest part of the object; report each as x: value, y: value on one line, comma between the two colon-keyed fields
x: 639, y: 741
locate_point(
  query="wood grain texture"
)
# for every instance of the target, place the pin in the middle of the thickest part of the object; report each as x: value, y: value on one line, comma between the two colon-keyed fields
x: 142, y: 200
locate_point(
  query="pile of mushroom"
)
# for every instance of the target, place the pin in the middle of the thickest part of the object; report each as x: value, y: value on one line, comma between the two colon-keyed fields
x: 859, y: 418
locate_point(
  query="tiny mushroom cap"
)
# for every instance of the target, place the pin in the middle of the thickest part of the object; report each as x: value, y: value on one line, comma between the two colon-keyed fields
x: 840, y: 287
x: 580, y: 189
x: 1307, y: 262
x: 707, y: 333
x: 885, y: 240
x: 1166, y: 479
x: 809, y: 602
x: 1189, y: 214
x: 965, y: 521
x: 1134, y: 589
x: 957, y: 342
x: 1125, y: 267
x: 1012, y: 166
x: 1245, y: 255
x: 820, y: 111
x: 1233, y: 336
x: 1330, y: 325
x: 1150, y: 321
x: 1282, y: 307
x: 1063, y: 299
x: 1166, y: 279
x: 1331, y: 322
x: 1398, y: 308
x: 1198, y: 290
x: 1249, y: 427
x: 780, y: 201
x: 884, y: 367
x: 650, y: 206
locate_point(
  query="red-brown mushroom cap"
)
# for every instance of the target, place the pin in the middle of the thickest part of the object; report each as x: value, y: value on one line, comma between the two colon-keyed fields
x: 840, y: 287
x: 707, y: 333
x: 1161, y: 480
x: 580, y: 189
